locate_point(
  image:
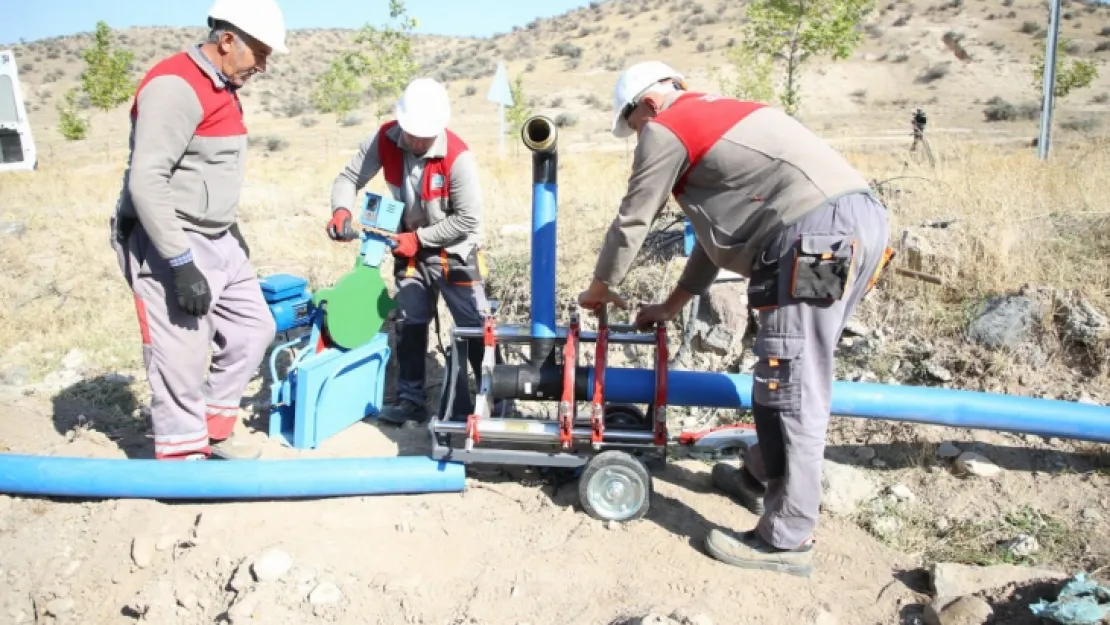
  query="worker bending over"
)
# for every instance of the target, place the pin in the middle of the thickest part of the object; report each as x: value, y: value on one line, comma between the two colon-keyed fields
x: 177, y: 239
x: 771, y: 201
x: 434, y: 173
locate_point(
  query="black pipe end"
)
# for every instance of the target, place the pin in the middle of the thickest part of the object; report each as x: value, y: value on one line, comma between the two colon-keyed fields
x: 545, y: 168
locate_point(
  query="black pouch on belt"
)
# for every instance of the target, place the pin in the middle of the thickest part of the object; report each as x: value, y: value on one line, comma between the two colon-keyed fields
x: 763, y: 287
x: 822, y: 266
x: 464, y: 271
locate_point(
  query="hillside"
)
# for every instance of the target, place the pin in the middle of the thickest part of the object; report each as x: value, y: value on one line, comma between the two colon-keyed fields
x: 908, y: 59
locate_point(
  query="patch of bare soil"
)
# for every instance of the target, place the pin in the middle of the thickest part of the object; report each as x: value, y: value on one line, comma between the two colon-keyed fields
x: 506, y: 550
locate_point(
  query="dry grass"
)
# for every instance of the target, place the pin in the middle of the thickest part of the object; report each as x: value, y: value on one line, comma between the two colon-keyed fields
x: 1017, y: 221
x: 1014, y: 219
x: 916, y: 529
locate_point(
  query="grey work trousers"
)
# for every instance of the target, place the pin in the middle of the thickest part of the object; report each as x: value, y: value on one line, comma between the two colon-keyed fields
x: 792, y: 381
x: 188, y: 408
x: 418, y: 291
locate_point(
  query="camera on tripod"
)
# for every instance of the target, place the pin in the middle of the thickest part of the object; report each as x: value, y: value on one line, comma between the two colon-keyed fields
x: 919, y: 121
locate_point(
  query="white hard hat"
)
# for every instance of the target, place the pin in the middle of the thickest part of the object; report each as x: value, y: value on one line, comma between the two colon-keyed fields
x: 261, y: 19
x: 424, y: 108
x: 631, y: 84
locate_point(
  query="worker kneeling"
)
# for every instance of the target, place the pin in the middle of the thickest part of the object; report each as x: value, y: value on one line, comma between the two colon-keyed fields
x: 432, y: 171
x: 771, y: 201
x: 177, y: 239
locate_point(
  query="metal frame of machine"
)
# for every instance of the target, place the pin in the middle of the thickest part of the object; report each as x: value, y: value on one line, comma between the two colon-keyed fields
x: 613, y: 444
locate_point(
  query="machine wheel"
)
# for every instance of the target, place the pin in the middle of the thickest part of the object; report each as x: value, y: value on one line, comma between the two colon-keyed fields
x: 615, y: 486
x: 625, y: 416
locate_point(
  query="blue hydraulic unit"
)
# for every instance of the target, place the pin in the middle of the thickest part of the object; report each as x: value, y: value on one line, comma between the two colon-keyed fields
x: 289, y: 300
x: 331, y: 382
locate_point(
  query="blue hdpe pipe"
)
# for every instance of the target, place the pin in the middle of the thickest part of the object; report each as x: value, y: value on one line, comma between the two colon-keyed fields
x: 544, y: 202
x: 539, y: 135
x: 916, y: 404
x: 239, y: 479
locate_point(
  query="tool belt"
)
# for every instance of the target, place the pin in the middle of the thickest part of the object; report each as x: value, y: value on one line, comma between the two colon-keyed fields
x: 432, y: 262
x: 819, y: 265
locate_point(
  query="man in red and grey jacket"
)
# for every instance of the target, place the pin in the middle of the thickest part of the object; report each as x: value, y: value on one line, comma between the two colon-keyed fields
x: 431, y: 170
x: 176, y: 234
x: 771, y: 201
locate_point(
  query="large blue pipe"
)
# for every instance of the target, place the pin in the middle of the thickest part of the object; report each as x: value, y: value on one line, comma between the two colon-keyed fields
x: 240, y: 479
x: 543, y: 265
x: 539, y: 135
x: 917, y: 404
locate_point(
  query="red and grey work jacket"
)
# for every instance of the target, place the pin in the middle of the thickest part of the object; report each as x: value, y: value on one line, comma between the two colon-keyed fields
x: 699, y: 121
x: 427, y: 197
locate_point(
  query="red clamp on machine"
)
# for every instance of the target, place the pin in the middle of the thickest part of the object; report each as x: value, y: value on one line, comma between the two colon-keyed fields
x: 611, y: 448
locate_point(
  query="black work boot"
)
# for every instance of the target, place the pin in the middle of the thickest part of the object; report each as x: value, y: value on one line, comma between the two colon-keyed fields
x: 740, y: 484
x: 412, y: 345
x: 402, y: 411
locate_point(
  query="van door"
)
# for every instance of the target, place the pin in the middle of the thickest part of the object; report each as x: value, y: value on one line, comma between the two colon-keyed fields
x: 17, y: 147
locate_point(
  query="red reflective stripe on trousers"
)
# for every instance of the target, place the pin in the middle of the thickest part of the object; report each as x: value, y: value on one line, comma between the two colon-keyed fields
x: 144, y: 323
x: 220, y: 426
x: 181, y: 449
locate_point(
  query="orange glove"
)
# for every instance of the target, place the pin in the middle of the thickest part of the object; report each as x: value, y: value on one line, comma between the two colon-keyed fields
x: 339, y: 228
x: 407, y: 244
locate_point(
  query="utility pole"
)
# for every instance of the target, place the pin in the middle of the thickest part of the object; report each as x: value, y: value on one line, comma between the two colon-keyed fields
x: 1049, y: 77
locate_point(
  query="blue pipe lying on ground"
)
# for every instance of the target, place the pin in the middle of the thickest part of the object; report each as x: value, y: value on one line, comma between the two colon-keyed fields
x: 230, y: 480
x: 916, y: 404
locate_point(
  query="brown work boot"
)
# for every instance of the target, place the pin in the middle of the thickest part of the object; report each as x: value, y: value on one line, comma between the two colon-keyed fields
x: 748, y: 550
x: 236, y: 447
x: 740, y: 484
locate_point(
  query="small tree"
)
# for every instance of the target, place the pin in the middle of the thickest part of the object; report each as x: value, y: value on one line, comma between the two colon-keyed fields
x: 1071, y: 73
x: 516, y: 114
x: 70, y: 123
x: 519, y: 112
x: 338, y: 89
x: 384, y: 59
x: 792, y: 31
x: 752, y: 79
x: 107, y: 79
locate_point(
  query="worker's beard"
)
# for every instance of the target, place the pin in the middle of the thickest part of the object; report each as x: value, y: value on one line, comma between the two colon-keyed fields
x: 415, y: 150
x: 240, y: 78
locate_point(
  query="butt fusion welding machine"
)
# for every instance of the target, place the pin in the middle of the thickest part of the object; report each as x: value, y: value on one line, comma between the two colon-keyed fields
x: 610, y: 447
x: 335, y: 376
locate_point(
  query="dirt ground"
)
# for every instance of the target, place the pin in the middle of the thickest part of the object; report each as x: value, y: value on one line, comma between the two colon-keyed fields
x: 512, y: 548
x: 503, y: 551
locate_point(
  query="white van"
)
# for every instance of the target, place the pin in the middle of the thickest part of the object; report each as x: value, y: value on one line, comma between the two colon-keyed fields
x: 17, y: 147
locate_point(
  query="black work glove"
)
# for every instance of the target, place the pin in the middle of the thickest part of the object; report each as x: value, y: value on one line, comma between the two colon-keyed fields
x: 192, y: 289
x: 234, y: 230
